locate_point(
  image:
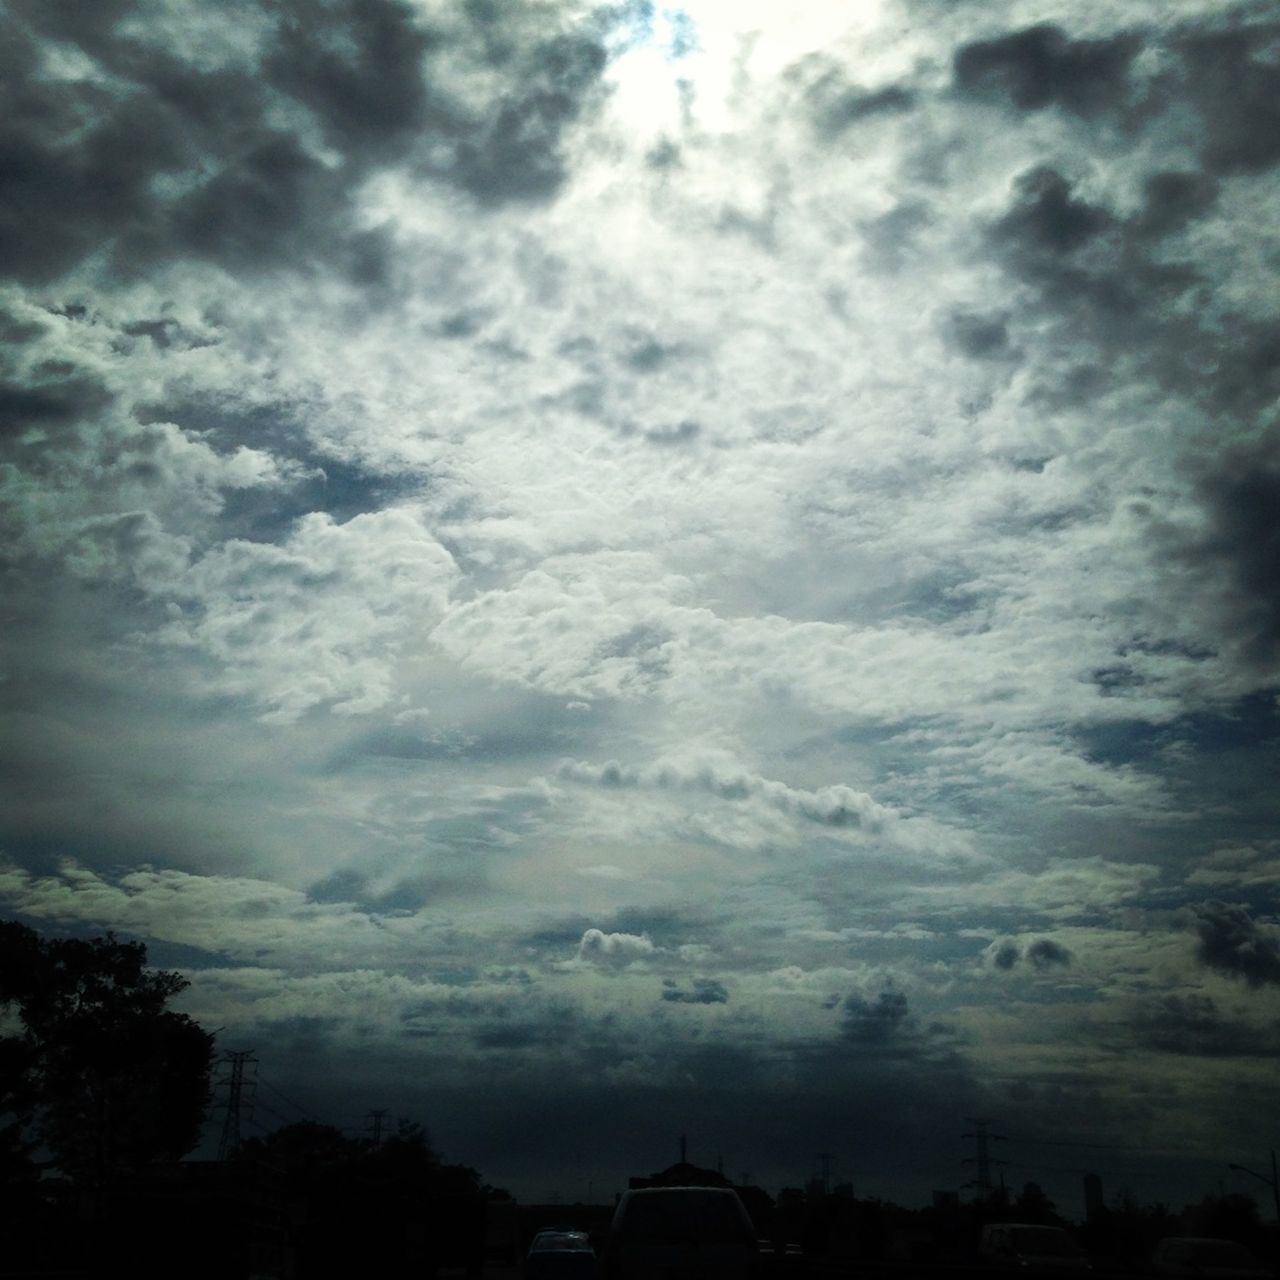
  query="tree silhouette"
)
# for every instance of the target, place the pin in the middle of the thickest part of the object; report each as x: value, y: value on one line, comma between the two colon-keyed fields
x: 102, y: 1073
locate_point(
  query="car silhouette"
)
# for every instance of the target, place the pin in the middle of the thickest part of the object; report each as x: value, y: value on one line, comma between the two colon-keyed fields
x: 681, y: 1233
x: 560, y: 1255
x: 1203, y: 1258
x: 1031, y: 1248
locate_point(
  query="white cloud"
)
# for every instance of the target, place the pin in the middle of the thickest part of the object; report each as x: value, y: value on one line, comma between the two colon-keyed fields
x: 614, y: 950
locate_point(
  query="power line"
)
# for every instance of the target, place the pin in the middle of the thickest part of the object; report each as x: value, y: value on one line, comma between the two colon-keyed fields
x: 271, y: 1111
x: 288, y: 1101
x: 1101, y: 1146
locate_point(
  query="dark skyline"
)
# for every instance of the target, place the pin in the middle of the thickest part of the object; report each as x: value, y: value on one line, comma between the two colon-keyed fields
x: 594, y: 572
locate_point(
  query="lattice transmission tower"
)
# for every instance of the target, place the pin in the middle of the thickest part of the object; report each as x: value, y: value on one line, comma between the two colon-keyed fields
x: 235, y: 1084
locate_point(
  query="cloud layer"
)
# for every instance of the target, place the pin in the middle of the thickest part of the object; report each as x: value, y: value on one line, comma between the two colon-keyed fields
x: 704, y: 569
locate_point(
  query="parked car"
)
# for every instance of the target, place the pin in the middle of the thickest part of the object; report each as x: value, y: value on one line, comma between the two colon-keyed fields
x: 1202, y: 1258
x: 560, y: 1255
x: 681, y: 1233
x: 1032, y: 1248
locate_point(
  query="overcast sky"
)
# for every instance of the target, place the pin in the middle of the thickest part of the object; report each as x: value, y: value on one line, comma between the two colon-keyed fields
x: 589, y: 573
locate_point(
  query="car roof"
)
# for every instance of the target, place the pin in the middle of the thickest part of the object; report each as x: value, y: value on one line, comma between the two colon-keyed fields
x: 571, y: 1239
x: 680, y: 1191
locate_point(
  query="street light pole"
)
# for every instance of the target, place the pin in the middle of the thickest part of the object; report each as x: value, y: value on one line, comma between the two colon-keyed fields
x: 1272, y: 1181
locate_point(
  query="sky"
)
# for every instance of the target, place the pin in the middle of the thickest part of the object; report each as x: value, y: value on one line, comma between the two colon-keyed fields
x: 590, y: 573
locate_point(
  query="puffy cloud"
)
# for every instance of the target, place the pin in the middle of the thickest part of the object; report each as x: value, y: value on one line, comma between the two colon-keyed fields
x: 614, y: 950
x: 1239, y: 865
x: 1042, y: 953
x: 835, y: 806
x: 253, y: 156
x: 319, y: 619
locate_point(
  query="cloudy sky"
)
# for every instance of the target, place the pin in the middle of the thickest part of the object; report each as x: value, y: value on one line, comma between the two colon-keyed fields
x: 595, y: 572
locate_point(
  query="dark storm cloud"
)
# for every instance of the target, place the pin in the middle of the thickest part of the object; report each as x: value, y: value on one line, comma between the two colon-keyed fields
x: 549, y: 1029
x: 700, y: 991
x: 1234, y: 79
x: 79, y: 160
x: 851, y: 105
x: 1128, y: 298
x: 516, y: 154
x: 57, y: 396
x: 1240, y: 550
x: 1173, y: 198
x: 15, y: 330
x: 1107, y: 275
x: 1043, y: 953
x: 762, y: 1111
x: 1042, y: 67
x: 358, y: 66
x: 880, y: 1024
x: 1232, y: 942
x: 1048, y: 221
x: 977, y: 335
x: 666, y: 926
x: 302, y: 1035
x: 1193, y: 1025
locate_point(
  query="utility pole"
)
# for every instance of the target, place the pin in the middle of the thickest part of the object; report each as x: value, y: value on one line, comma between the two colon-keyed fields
x: 375, y: 1123
x: 983, y: 1137
x: 1273, y: 1182
x: 230, y: 1139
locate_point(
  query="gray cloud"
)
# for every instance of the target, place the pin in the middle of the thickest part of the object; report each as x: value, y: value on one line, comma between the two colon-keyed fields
x: 515, y: 154
x: 979, y: 336
x: 83, y: 160
x: 1042, y: 66
x: 941, y: 485
x: 835, y: 806
x: 51, y: 400
x: 1048, y: 223
x: 1043, y: 953
x: 877, y: 1024
x: 1194, y: 1025
x: 1232, y: 942
x: 838, y: 106
x: 700, y: 991
x: 1174, y: 198
x: 1236, y: 86
x: 1239, y: 552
